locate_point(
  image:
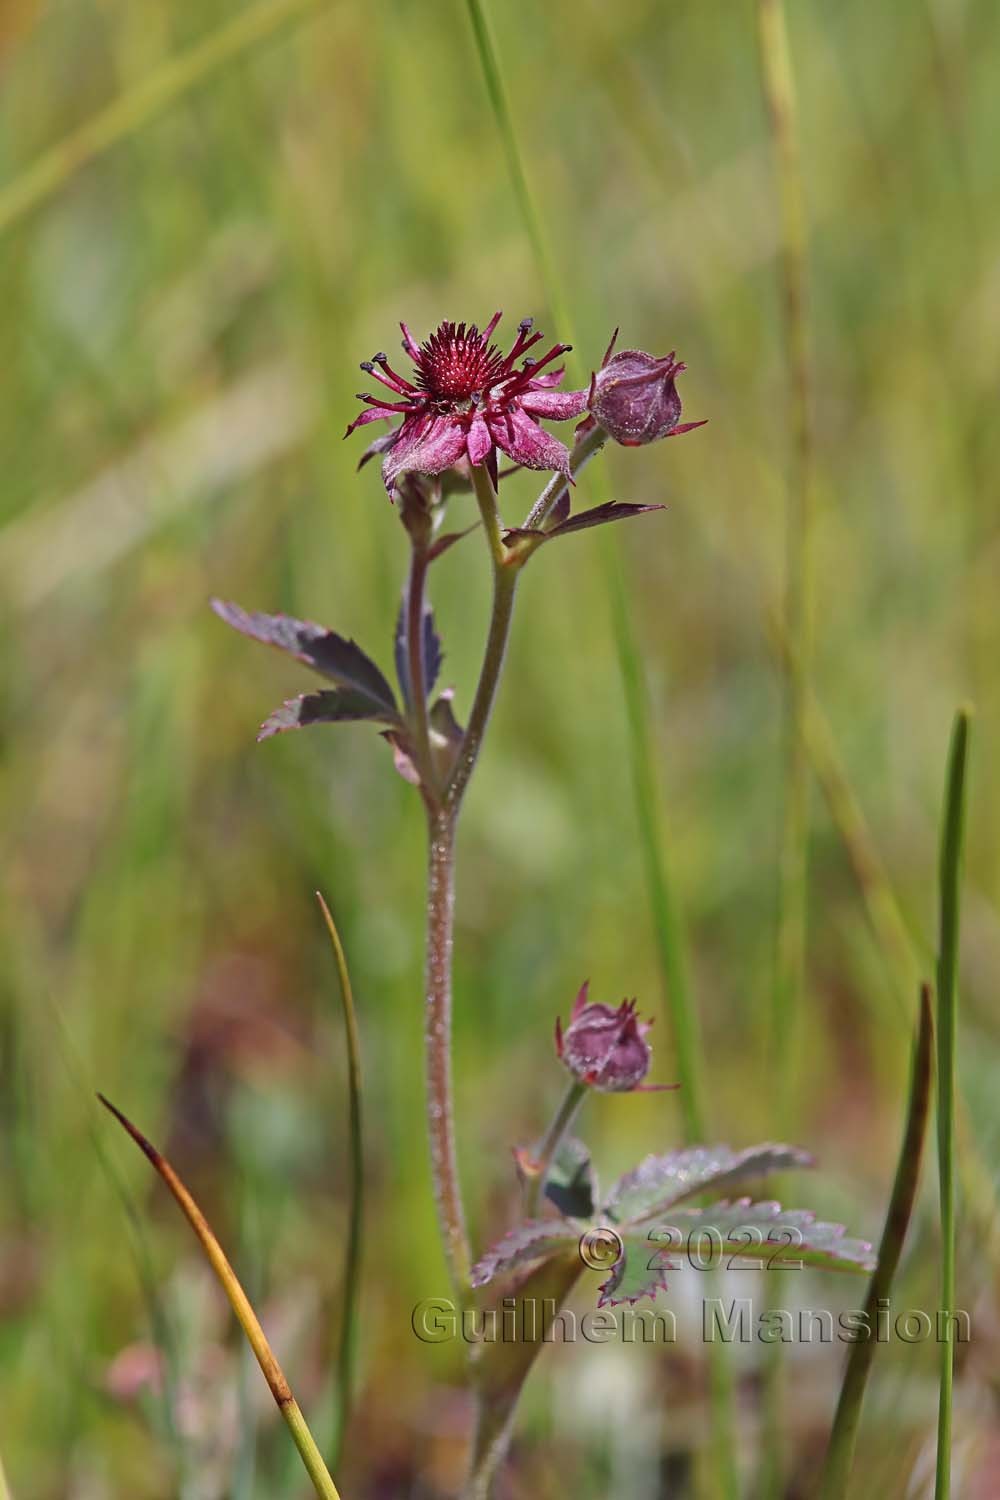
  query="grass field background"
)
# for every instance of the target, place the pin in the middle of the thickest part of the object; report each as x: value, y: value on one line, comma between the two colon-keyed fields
x: 187, y: 290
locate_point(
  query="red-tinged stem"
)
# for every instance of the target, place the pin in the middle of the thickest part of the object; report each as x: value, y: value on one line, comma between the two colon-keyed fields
x: 437, y: 1035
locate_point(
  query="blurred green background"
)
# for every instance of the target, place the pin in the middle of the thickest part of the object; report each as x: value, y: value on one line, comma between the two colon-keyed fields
x: 186, y: 297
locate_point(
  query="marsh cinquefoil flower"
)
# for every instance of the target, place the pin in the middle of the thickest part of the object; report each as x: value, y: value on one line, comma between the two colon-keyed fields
x: 605, y: 1047
x: 467, y: 400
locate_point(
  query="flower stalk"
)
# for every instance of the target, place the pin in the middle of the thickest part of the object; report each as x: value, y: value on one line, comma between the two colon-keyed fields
x: 561, y: 1122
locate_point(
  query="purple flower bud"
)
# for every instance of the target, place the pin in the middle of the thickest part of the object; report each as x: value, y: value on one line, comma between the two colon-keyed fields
x: 604, y: 1047
x: 633, y: 396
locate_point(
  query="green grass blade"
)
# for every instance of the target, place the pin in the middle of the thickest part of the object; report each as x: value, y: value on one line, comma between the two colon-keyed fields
x: 289, y: 1408
x: 947, y: 969
x: 347, y: 1351
x: 666, y: 922
x: 5, y: 1493
x: 791, y: 927
x: 132, y: 110
x: 840, y: 1451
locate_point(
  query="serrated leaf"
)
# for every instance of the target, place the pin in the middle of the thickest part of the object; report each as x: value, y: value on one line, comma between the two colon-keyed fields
x: 760, y: 1235
x: 334, y: 657
x: 332, y: 706
x: 433, y: 655
x: 661, y: 1181
x: 571, y: 1183
x: 639, y: 1273
x: 534, y: 1239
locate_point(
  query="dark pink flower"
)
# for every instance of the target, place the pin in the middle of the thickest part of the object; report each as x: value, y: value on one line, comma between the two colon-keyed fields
x: 605, y: 1047
x: 634, y: 397
x: 467, y: 400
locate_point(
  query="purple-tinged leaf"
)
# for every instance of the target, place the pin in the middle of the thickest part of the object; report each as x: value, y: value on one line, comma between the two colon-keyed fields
x: 571, y: 1183
x: 661, y: 1181
x: 534, y: 1239
x: 744, y: 1233
x: 433, y: 655
x: 600, y: 515
x: 332, y: 706
x: 443, y: 543
x: 341, y: 660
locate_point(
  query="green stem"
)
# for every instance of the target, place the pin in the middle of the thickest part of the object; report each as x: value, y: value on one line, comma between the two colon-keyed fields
x: 561, y: 1122
x: 947, y: 971
x: 4, y: 1487
x: 584, y: 449
x: 505, y: 575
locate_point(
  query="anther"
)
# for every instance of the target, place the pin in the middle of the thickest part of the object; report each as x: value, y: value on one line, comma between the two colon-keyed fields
x: 380, y: 358
x: 367, y: 366
x: 525, y: 324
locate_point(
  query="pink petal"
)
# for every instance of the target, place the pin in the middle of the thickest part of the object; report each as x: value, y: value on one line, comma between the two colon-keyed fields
x: 558, y: 405
x: 548, y: 378
x: 379, y: 446
x: 370, y: 414
x: 426, y: 445
x: 527, y: 443
x: 480, y: 441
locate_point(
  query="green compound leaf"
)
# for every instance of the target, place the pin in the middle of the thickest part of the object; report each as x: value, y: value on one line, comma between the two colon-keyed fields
x: 661, y: 1181
x: 744, y: 1233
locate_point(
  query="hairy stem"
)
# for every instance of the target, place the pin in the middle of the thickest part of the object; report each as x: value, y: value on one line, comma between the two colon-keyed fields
x: 440, y: 1109
x: 561, y: 1122
x: 584, y: 449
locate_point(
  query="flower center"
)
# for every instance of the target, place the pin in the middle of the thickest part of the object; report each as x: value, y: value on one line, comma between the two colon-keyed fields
x: 456, y: 362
